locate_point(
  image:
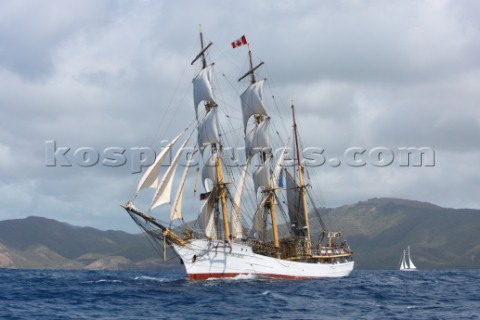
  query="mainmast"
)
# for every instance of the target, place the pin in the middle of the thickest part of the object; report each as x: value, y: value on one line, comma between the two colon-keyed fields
x: 301, y: 178
x: 252, y: 69
x: 252, y: 105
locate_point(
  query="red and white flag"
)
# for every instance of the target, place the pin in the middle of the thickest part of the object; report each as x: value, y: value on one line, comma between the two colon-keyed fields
x: 239, y: 42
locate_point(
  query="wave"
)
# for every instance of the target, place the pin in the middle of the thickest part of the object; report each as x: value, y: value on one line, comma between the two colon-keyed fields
x: 248, y: 276
x: 103, y: 281
x: 149, y: 278
x: 242, y: 277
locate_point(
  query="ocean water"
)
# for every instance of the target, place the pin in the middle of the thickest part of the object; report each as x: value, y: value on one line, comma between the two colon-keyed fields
x: 60, y: 294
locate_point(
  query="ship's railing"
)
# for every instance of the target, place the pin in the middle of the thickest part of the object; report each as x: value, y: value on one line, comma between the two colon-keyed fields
x: 298, y: 249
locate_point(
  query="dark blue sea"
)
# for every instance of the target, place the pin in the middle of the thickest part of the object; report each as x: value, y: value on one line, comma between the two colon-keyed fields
x: 60, y: 294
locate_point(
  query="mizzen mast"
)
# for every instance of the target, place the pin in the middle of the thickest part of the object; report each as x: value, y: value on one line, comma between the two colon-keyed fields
x: 302, y: 185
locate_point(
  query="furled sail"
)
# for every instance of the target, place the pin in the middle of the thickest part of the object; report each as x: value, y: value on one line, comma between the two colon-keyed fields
x: 252, y: 103
x: 150, y: 177
x: 206, y: 219
x: 202, y: 87
x: 162, y: 195
x: 295, y: 207
x: 241, y: 224
x: 258, y: 140
x: 208, y: 130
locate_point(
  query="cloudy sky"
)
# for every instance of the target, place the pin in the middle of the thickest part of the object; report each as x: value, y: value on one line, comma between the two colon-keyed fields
x: 363, y: 74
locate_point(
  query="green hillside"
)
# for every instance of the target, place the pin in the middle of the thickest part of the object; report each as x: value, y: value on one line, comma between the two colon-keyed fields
x: 37, y: 242
x: 379, y: 229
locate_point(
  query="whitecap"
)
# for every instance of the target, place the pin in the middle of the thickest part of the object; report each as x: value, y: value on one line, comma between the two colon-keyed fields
x: 102, y: 281
x: 108, y: 281
x: 247, y: 276
x: 148, y: 278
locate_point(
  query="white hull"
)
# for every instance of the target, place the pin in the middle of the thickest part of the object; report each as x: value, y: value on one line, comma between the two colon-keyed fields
x: 408, y: 269
x: 205, y: 259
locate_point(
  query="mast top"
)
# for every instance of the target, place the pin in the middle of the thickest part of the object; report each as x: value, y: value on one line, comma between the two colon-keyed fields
x: 295, y: 131
x: 201, y: 54
x: 251, y: 72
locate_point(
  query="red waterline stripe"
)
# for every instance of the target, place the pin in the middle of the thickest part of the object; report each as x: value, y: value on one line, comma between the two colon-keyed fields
x: 205, y: 276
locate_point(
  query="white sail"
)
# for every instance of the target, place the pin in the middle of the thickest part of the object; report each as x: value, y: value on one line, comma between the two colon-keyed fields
x: 278, y: 168
x: 258, y: 140
x: 208, y: 130
x: 262, y: 176
x: 403, y: 264
x: 252, y: 103
x: 150, y: 177
x: 202, y: 87
x: 209, y: 171
x: 164, y: 189
x: 206, y: 219
x: 237, y: 228
x: 258, y: 221
x: 406, y: 263
x: 410, y: 262
x: 211, y: 249
x: 176, y: 211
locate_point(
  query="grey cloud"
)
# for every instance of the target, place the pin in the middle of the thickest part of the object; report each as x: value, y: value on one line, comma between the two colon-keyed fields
x: 30, y: 32
x: 397, y: 74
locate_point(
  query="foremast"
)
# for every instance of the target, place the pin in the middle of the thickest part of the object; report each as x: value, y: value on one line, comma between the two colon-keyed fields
x: 223, y: 199
x: 209, y: 136
x: 203, y: 49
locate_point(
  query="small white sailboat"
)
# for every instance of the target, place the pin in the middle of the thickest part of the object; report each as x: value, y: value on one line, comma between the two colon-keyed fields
x: 406, y: 263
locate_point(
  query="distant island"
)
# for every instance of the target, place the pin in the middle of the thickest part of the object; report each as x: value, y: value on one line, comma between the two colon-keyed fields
x: 41, y: 243
x: 377, y: 229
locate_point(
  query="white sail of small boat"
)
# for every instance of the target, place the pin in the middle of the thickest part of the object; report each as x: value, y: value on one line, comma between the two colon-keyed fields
x: 406, y: 263
x: 248, y: 221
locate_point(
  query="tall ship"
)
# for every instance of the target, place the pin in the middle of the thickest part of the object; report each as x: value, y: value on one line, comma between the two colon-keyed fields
x: 254, y: 217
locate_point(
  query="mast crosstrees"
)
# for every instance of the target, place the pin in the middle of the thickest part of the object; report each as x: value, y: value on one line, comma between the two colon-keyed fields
x: 251, y: 219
